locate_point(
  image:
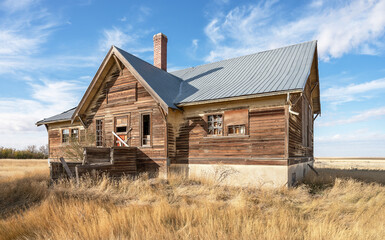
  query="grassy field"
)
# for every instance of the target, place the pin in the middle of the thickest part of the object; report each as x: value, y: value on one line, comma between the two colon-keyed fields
x: 321, y: 208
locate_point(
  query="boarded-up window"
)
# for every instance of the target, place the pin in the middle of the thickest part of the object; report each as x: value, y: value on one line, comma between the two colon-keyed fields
x: 65, y: 135
x: 121, y: 129
x: 215, y: 124
x: 237, y: 121
x: 99, y: 132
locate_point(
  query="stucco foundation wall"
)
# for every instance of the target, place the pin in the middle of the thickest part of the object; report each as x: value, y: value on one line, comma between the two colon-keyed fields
x: 237, y: 175
x: 300, y: 170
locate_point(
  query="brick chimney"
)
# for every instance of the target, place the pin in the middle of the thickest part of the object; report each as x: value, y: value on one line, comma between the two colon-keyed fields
x: 160, y: 51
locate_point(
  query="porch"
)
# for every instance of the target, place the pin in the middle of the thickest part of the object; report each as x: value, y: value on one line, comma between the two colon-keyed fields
x: 115, y: 161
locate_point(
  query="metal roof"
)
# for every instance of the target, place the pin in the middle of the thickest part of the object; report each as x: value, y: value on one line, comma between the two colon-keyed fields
x: 163, y: 83
x: 64, y: 116
x: 275, y: 70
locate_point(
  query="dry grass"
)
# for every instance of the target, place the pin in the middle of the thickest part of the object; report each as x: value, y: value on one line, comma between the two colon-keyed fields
x: 182, y: 208
x: 19, y: 167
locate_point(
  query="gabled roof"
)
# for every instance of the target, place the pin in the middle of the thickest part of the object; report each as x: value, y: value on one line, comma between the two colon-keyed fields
x: 270, y: 72
x: 64, y: 116
x: 163, y: 83
x: 276, y: 70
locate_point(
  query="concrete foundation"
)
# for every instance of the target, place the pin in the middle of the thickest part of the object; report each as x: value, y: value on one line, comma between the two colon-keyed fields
x: 245, y: 175
x: 237, y: 175
x: 297, y: 172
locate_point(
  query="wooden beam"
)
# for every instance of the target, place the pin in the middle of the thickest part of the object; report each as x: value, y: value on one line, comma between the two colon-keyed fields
x: 118, y: 63
x: 63, y: 162
x: 120, y: 139
x: 314, y: 118
x: 162, y: 112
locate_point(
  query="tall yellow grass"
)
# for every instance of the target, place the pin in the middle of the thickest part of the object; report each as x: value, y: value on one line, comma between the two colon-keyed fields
x: 180, y: 208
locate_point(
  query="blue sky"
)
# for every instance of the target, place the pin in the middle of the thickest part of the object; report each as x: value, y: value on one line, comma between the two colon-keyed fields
x: 50, y: 50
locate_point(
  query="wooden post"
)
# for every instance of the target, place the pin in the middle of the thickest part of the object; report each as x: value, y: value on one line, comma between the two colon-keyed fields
x: 112, y: 155
x: 77, y: 175
x: 63, y: 162
x: 84, y: 156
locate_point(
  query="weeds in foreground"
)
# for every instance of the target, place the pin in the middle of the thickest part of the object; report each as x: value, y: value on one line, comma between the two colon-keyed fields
x: 182, y: 208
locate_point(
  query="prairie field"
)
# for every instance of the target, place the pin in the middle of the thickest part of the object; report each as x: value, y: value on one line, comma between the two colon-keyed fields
x: 323, y: 207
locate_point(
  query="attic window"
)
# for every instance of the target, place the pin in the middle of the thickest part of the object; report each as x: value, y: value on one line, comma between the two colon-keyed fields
x: 215, y: 124
x: 65, y: 135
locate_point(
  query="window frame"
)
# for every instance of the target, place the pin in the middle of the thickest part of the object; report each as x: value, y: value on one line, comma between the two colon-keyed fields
x: 142, y: 129
x: 236, y: 134
x: 100, y: 131
x: 127, y: 126
x: 208, y: 124
x: 62, y: 135
x: 77, y: 137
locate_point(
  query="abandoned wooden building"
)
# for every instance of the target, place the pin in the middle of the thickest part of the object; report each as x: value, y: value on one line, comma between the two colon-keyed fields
x: 252, y: 114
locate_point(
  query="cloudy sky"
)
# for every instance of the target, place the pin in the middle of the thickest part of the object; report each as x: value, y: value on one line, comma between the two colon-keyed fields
x: 50, y: 50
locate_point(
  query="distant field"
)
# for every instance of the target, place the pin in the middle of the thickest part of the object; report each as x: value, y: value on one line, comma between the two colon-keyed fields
x: 19, y: 167
x: 350, y: 163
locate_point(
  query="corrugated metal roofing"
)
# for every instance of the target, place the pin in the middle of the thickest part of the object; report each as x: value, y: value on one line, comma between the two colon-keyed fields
x: 275, y: 70
x: 64, y: 116
x: 162, y: 82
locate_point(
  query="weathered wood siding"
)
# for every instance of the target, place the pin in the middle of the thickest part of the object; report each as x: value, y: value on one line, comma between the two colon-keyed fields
x: 123, y: 95
x: 56, y: 148
x: 301, y: 127
x: 263, y: 143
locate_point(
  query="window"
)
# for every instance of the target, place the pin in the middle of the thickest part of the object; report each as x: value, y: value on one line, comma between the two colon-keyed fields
x: 74, y: 134
x: 121, y: 128
x: 236, y: 130
x: 215, y: 124
x: 99, y: 132
x: 65, y: 135
x: 146, y: 132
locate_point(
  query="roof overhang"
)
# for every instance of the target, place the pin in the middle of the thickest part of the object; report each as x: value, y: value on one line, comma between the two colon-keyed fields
x: 259, y: 95
x: 50, y: 122
x: 110, y: 60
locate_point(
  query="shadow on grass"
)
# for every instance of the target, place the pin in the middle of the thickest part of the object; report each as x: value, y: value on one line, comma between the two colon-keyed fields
x: 19, y: 194
x: 327, y: 177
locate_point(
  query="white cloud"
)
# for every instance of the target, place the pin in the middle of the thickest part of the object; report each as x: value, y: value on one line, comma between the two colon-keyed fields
x: 363, y: 116
x: 353, y: 92
x: 213, y: 31
x: 195, y: 44
x: 114, y: 36
x: 359, y: 143
x: 48, y: 98
x: 340, y: 27
x: 25, y: 34
x: 361, y: 135
x: 17, y: 5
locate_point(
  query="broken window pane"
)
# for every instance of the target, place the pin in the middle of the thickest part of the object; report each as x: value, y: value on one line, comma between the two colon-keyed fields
x: 146, y: 132
x: 75, y: 134
x: 65, y: 135
x: 214, y: 123
x: 236, y: 129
